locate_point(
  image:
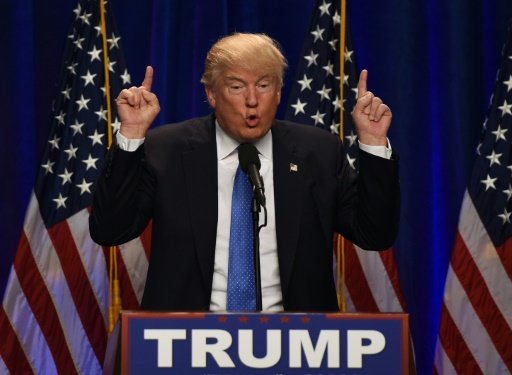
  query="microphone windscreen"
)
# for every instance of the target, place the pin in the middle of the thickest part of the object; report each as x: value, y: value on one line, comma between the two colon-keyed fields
x: 248, y: 154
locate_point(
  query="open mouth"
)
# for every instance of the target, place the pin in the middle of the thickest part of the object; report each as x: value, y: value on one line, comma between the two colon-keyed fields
x: 252, y: 120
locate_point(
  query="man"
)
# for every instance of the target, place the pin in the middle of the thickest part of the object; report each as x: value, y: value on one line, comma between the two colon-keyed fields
x: 181, y: 177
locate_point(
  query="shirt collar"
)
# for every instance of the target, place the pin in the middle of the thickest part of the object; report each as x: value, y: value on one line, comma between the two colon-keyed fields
x: 227, y: 145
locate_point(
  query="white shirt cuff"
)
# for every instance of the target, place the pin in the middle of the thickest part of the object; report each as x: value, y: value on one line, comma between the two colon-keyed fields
x: 382, y: 151
x: 127, y: 144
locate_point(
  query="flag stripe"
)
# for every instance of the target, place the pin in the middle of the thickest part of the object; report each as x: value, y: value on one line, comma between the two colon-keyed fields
x: 42, y: 306
x: 453, y: 344
x: 382, y: 289
x: 145, y: 238
x: 80, y: 288
x: 388, y: 259
x: 92, y: 258
x: 59, y: 294
x: 136, y: 266
x: 12, y: 354
x: 473, y: 333
x: 357, y: 283
x: 475, y: 287
x: 483, y: 253
x: 442, y: 357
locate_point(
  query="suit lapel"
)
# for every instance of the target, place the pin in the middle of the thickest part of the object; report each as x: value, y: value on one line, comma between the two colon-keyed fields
x: 200, y: 166
x: 289, y: 174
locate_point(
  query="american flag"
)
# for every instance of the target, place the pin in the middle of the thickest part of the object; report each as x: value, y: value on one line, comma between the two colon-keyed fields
x: 371, y: 277
x: 475, y: 331
x: 54, y: 314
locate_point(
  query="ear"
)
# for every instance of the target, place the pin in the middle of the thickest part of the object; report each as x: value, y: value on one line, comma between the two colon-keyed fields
x: 210, y: 95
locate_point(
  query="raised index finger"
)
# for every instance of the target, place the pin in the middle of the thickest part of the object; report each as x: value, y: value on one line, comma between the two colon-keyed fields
x: 361, y: 85
x: 148, y: 78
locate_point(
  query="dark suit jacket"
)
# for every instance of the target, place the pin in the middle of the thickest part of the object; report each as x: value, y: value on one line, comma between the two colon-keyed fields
x: 172, y: 179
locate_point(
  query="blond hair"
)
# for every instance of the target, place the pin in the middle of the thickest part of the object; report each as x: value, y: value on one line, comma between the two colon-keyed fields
x: 256, y: 52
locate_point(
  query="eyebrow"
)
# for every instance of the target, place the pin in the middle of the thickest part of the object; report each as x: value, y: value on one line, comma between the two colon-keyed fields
x: 236, y: 78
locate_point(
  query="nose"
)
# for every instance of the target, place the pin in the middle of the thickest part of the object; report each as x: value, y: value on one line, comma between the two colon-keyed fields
x: 251, y: 97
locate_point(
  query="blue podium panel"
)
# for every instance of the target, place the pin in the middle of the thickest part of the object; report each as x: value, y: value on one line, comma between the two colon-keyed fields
x: 261, y: 343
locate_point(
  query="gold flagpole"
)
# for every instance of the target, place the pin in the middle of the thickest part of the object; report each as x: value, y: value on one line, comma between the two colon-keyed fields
x: 340, y: 243
x: 114, y: 289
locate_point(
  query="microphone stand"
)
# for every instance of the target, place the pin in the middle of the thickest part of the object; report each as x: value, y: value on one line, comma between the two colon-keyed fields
x: 256, y: 246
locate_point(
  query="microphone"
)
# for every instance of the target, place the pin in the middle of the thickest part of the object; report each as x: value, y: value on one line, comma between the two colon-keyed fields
x: 250, y: 164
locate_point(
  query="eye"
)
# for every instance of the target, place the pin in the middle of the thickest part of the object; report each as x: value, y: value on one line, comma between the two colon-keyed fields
x: 263, y: 86
x: 235, y: 88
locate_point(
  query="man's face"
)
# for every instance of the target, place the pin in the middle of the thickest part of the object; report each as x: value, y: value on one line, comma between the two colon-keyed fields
x: 245, y: 103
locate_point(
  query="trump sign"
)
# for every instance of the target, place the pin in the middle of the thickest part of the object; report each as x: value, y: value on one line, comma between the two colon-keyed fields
x: 315, y: 344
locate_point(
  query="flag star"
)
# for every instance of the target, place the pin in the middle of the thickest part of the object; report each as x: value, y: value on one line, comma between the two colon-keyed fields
x: 299, y: 107
x: 60, y: 117
x: 90, y: 162
x: 508, y: 83
x: 54, y: 142
x: 77, y: 127
x: 98, y: 30
x: 48, y: 167
x: 85, y: 17
x: 111, y: 66
x: 305, y: 83
x: 88, y: 78
x: 84, y: 186
x: 489, y: 182
x: 478, y: 149
x: 116, y: 125
x: 318, y: 33
x: 78, y: 42
x: 113, y: 41
x: 510, y: 167
x: 61, y: 201
x: 348, y: 55
x: 324, y: 93
x: 311, y: 58
x: 500, y: 133
x: 335, y: 128
x: 102, y: 114
x: 71, y: 151
x: 318, y: 117
x: 508, y: 192
x: 345, y: 79
x: 336, y: 103
x: 66, y: 92
x: 82, y: 103
x: 77, y: 11
x: 126, y: 77
x: 336, y: 19
x: 324, y: 8
x: 351, y: 138
x: 96, y: 137
x: 351, y: 161
x: 329, y: 68
x: 95, y: 54
x: 334, y: 44
x: 72, y: 67
x: 505, y: 109
x: 66, y: 176
x: 505, y: 216
x: 494, y: 158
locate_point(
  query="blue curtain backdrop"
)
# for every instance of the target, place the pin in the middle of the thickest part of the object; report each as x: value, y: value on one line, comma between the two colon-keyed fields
x: 434, y: 62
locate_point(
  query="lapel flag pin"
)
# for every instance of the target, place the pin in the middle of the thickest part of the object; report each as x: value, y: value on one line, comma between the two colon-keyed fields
x: 294, y: 167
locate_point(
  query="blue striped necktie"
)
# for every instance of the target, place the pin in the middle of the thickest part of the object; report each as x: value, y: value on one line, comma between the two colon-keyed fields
x: 241, y: 291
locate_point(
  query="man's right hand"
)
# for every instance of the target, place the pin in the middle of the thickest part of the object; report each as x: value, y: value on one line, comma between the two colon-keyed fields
x: 137, y: 108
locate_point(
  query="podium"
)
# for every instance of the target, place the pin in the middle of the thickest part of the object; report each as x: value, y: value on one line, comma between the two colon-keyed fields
x: 264, y: 343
